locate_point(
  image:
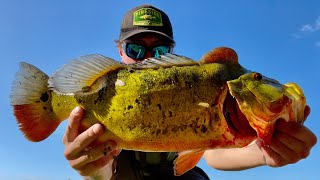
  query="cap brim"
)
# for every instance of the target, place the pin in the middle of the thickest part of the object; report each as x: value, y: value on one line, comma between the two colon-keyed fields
x: 130, y: 34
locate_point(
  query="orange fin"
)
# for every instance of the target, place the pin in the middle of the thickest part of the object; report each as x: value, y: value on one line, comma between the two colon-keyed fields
x: 220, y: 55
x: 31, y: 101
x: 187, y: 160
x: 35, y: 123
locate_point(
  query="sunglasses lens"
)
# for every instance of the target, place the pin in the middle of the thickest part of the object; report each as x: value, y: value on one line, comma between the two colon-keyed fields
x: 135, y: 51
x: 160, y: 50
x: 138, y: 52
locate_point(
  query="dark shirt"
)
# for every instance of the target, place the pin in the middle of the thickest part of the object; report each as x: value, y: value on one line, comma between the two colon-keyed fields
x: 133, y: 165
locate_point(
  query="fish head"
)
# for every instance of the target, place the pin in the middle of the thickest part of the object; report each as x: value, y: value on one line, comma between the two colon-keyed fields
x: 262, y: 101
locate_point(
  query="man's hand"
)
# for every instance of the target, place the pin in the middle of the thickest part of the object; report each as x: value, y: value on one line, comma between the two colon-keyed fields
x: 290, y: 143
x: 86, y: 160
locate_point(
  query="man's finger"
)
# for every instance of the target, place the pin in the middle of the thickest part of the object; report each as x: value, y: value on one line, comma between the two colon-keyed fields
x: 297, y: 131
x: 83, y: 140
x: 307, y: 111
x: 72, y: 130
x: 271, y: 158
x: 93, y: 154
x: 94, y: 168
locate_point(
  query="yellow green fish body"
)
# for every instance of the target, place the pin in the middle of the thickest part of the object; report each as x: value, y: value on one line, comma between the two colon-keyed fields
x: 166, y: 109
x: 167, y: 104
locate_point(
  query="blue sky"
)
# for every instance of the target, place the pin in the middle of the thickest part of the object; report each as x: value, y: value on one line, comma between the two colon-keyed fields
x: 280, y: 39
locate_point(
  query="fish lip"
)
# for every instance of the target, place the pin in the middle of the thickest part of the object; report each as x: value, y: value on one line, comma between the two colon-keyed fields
x: 236, y: 120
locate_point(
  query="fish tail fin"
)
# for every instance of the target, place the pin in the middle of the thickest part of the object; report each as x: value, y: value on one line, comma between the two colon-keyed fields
x: 31, y: 101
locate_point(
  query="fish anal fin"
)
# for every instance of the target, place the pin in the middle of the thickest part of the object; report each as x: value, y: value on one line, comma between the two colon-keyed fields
x: 35, y: 124
x: 187, y: 160
x: 220, y: 55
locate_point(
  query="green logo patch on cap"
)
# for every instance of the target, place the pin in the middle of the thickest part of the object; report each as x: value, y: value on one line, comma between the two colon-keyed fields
x: 147, y: 17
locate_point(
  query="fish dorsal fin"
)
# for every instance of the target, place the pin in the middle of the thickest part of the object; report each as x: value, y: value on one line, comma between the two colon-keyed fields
x: 82, y: 72
x: 220, y: 55
x: 164, y: 61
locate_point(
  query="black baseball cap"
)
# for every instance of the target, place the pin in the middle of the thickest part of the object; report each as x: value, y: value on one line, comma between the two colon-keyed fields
x: 145, y: 18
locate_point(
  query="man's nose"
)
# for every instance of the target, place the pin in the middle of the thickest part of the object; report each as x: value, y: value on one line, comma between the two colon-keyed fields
x: 148, y: 55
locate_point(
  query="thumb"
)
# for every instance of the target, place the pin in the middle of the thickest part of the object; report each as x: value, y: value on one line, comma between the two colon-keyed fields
x: 259, y: 143
x: 307, y: 111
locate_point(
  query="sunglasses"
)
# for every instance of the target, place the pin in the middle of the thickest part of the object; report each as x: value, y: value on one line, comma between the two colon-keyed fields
x: 139, y: 52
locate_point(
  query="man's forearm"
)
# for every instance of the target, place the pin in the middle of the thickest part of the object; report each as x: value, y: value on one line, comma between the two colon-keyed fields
x: 235, y: 158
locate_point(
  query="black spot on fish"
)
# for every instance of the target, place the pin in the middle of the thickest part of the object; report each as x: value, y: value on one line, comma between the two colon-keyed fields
x: 195, y: 126
x: 58, y: 104
x: 203, y: 129
x: 175, y: 129
x: 149, y: 101
x: 44, y: 108
x: 130, y: 69
x: 170, y: 114
x: 131, y: 127
x: 129, y: 107
x: 137, y: 101
x: 183, y: 127
x: 164, y: 131
x: 44, y: 97
x: 100, y: 95
x: 163, y: 115
x: 191, y: 80
x: 158, y: 131
x: 159, y: 106
x: 145, y: 127
x: 195, y: 77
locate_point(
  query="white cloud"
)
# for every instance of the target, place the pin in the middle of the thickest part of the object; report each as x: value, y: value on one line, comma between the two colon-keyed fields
x: 311, y: 27
x: 308, y: 29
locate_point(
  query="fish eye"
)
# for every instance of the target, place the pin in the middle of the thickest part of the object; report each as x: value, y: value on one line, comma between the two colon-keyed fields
x: 257, y: 76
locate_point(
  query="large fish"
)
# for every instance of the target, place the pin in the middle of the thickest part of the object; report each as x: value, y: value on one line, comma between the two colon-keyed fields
x: 171, y: 104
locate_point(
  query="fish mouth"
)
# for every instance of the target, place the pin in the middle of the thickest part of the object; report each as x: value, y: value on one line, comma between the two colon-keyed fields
x: 236, y: 120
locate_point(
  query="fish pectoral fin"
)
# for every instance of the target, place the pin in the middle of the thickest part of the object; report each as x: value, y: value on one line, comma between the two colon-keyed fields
x: 220, y: 55
x: 187, y: 160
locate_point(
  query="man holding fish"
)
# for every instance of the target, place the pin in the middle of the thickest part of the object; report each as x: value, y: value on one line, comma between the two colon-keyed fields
x: 142, y: 38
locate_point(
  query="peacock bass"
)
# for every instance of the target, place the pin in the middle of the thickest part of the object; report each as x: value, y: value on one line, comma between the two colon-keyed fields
x: 169, y: 104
